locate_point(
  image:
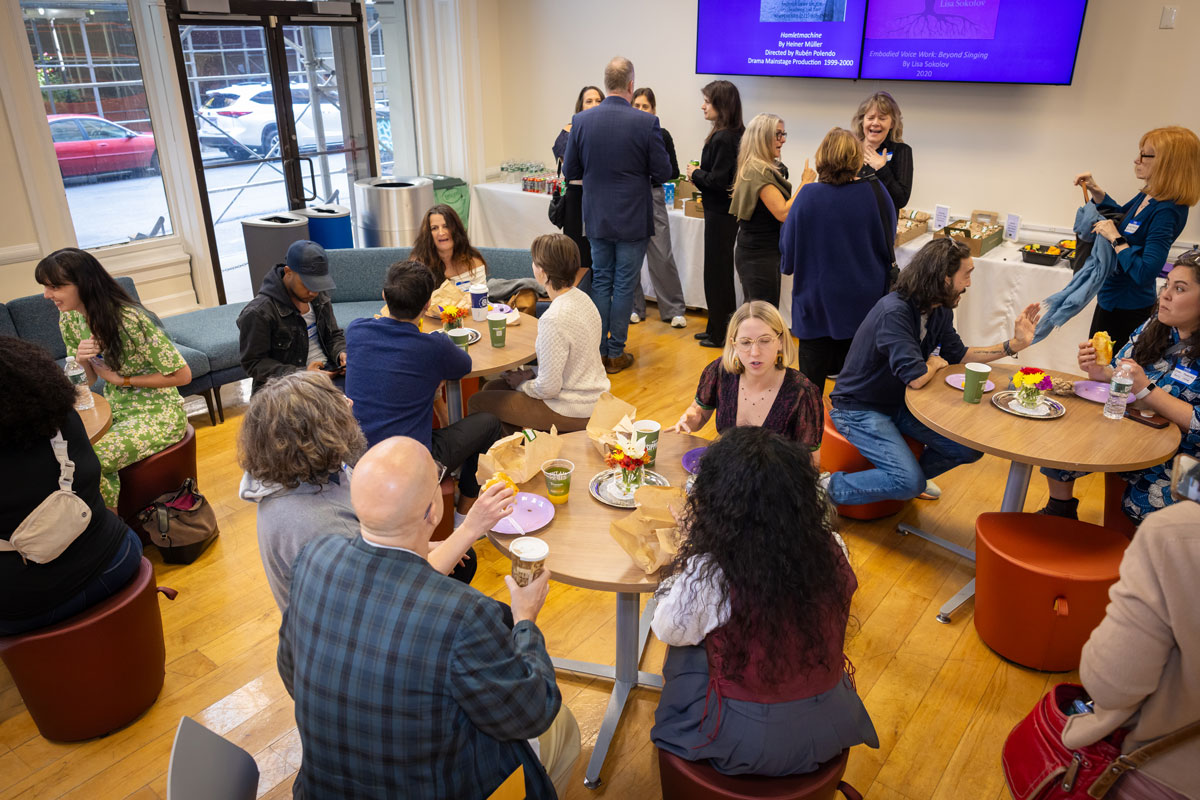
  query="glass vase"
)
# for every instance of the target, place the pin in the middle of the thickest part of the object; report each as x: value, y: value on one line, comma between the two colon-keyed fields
x: 630, y: 480
x: 452, y: 324
x: 1029, y: 396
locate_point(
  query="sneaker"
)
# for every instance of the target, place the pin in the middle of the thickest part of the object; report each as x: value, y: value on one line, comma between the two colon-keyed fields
x: 614, y: 365
x: 634, y: 319
x: 679, y: 322
x: 932, y: 491
x: 823, y: 481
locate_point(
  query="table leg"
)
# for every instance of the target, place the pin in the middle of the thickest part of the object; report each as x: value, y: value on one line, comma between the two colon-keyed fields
x: 1016, y: 487
x: 632, y: 635
x: 454, y: 409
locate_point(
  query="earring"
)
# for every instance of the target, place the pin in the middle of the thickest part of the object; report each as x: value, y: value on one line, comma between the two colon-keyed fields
x: 779, y: 361
x: 737, y: 364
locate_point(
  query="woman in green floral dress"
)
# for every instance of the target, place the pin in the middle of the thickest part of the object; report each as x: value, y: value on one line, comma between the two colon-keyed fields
x: 113, y: 337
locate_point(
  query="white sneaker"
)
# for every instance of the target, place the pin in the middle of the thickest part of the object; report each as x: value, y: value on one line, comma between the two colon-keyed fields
x: 634, y: 319
x: 679, y: 322
x: 823, y: 481
x: 932, y: 491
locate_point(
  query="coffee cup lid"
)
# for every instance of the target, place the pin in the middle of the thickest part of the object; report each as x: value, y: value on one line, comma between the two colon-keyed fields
x: 529, y: 548
x: 476, y: 288
x: 496, y: 315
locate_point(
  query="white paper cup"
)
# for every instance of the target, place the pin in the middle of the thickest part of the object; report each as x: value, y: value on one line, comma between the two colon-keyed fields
x: 479, y: 301
x: 528, y: 558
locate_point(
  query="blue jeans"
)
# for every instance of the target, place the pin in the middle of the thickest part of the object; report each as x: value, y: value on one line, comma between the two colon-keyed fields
x: 897, y: 474
x: 116, y: 576
x: 616, y: 268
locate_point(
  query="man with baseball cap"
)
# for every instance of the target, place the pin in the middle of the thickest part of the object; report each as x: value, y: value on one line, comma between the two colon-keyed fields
x: 289, y: 325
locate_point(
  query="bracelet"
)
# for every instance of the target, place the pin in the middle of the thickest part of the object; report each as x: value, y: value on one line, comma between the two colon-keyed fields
x: 126, y: 382
x: 1142, y: 394
x: 1008, y: 351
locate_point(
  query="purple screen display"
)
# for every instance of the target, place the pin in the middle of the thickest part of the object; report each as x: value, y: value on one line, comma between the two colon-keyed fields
x: 989, y: 41
x: 801, y: 38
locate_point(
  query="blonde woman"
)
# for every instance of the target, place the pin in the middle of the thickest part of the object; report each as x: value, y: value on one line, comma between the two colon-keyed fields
x: 879, y: 125
x: 753, y: 384
x: 836, y: 243
x: 762, y: 197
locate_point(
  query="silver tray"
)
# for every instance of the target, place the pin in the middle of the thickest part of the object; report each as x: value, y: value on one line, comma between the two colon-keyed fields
x: 1001, y: 401
x: 602, y: 487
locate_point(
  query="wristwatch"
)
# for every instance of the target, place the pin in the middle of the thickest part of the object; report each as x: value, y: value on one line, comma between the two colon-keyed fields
x: 126, y: 382
x: 1120, y: 240
x: 1142, y: 394
x: 1008, y: 351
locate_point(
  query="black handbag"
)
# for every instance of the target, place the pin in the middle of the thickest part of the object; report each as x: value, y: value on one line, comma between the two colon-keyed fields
x: 182, y: 524
x: 558, y: 202
x: 889, y: 231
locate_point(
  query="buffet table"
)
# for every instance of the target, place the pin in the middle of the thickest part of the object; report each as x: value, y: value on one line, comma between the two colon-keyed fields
x: 1002, y: 285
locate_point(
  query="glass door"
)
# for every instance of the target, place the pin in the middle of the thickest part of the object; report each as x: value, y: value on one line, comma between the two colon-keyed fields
x: 279, y: 110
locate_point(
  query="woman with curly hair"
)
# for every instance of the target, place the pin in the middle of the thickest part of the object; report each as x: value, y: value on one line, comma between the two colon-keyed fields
x: 755, y: 613
x: 442, y: 245
x: 113, y: 337
x: 36, y: 402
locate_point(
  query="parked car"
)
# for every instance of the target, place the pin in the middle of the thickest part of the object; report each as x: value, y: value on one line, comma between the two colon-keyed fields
x: 240, y: 119
x: 90, y: 145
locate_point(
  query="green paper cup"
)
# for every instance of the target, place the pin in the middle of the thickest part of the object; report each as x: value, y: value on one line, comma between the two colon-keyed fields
x: 558, y: 479
x: 497, y: 327
x: 460, y: 337
x: 974, y: 379
x: 648, y: 430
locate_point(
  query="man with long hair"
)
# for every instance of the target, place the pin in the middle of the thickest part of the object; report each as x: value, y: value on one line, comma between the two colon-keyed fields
x: 905, y: 339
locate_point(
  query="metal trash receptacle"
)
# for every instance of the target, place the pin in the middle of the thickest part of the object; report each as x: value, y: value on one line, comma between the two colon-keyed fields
x: 455, y: 193
x: 390, y: 210
x: 267, y: 240
x: 329, y: 225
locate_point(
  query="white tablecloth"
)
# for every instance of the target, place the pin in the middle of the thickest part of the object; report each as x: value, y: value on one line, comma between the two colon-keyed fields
x: 1002, y: 285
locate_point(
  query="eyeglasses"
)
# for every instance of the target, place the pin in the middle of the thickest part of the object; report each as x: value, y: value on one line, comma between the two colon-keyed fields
x: 1145, y: 156
x: 780, y: 135
x: 747, y: 344
x: 442, y: 470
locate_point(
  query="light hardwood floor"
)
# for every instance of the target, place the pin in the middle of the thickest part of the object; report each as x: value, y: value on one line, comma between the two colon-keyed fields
x: 941, y: 701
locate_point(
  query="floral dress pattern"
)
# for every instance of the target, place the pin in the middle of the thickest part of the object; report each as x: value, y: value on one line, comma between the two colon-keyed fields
x: 144, y: 421
x: 1150, y: 489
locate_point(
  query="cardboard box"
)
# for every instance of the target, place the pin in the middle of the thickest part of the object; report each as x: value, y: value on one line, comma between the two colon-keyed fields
x: 693, y: 208
x: 909, y: 229
x: 684, y: 189
x: 980, y: 233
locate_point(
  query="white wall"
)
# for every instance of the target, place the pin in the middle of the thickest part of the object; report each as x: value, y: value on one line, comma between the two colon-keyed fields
x: 1012, y: 149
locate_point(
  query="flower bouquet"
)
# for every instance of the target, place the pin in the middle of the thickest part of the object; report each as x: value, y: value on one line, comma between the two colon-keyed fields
x: 452, y: 316
x: 1030, y: 383
x: 628, y: 455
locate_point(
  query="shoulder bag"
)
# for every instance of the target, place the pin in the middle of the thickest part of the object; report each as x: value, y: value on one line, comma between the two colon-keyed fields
x: 558, y: 202
x: 1038, y: 766
x: 181, y: 524
x: 889, y: 231
x: 57, y: 521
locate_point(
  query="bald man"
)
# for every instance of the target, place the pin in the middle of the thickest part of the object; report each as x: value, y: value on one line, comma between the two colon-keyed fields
x: 407, y: 682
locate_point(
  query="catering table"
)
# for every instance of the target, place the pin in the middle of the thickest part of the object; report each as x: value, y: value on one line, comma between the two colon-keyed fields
x: 1083, y: 439
x: 583, y: 553
x: 97, y: 419
x: 487, y: 360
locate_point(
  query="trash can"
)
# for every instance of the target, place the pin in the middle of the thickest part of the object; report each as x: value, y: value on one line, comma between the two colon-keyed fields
x: 390, y: 210
x: 454, y: 192
x: 267, y: 240
x: 329, y: 226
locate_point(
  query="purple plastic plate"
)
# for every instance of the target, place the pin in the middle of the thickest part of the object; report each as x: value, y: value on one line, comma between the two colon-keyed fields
x: 691, y: 459
x: 531, y: 513
x: 1096, y: 391
x: 956, y: 380
x: 503, y: 309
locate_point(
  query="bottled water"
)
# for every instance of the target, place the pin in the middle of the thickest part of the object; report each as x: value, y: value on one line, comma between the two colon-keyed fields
x: 1118, y: 392
x: 78, y: 378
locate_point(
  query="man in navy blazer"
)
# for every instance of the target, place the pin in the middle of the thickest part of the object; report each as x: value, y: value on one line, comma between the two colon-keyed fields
x: 618, y: 152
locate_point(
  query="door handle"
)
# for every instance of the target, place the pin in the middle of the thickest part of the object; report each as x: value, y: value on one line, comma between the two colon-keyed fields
x: 312, y: 177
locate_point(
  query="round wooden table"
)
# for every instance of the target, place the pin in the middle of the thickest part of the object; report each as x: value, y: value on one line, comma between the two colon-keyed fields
x: 1083, y: 440
x: 97, y: 419
x: 583, y: 553
x: 487, y: 360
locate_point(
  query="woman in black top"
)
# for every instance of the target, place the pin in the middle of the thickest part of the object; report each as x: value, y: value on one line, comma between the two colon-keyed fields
x: 879, y: 125
x: 589, y: 96
x: 36, y: 399
x: 714, y: 178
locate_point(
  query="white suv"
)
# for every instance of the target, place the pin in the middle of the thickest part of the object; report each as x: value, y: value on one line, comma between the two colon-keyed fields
x: 240, y: 120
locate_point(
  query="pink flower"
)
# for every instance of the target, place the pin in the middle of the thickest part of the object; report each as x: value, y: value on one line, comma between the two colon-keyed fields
x: 1045, y: 384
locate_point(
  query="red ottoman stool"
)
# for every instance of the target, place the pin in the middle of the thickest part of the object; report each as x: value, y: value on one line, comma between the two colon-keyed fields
x: 93, y: 673
x: 1041, y: 585
x: 838, y: 455
x: 696, y: 780
x: 143, y: 481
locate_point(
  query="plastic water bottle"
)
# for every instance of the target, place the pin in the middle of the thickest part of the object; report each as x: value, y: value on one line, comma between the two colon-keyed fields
x: 1118, y: 392
x: 78, y: 378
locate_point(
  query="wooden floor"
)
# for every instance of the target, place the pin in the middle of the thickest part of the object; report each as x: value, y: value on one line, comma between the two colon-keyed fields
x: 941, y: 701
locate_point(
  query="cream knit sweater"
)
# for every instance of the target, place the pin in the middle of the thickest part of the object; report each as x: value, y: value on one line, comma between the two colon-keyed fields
x: 570, y: 376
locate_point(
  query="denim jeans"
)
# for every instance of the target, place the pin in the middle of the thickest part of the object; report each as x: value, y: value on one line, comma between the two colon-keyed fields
x: 616, y: 269
x: 897, y: 474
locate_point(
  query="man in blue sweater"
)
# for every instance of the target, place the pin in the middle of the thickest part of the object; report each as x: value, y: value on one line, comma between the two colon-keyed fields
x: 401, y: 369
x: 905, y: 339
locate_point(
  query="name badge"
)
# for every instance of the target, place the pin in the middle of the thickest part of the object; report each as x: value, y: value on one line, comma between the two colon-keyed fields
x: 1183, y: 375
x: 889, y: 156
x: 1132, y: 227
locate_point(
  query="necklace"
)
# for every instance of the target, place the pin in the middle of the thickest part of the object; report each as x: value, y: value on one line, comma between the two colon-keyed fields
x: 762, y: 395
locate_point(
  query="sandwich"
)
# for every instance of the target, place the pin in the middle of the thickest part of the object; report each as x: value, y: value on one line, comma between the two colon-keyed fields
x: 1103, y: 345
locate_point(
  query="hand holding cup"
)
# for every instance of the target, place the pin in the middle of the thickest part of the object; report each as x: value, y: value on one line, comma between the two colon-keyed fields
x: 527, y: 601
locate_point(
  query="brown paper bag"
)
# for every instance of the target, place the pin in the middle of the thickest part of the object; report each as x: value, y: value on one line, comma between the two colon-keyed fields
x: 612, y: 415
x: 447, y: 295
x: 649, y: 534
x: 518, y: 457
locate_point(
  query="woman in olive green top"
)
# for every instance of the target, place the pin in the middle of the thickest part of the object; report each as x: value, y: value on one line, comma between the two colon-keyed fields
x: 113, y: 337
x: 762, y: 196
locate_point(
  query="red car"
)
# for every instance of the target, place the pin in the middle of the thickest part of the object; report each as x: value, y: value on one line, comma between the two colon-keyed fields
x: 88, y: 145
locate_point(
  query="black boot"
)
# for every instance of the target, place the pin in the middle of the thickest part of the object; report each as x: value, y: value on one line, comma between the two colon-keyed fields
x: 1062, y: 508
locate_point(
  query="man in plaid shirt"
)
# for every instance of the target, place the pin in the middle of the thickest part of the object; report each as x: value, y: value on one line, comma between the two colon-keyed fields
x: 408, y: 683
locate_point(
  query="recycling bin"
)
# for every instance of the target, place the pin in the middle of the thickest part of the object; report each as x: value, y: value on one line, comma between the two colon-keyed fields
x: 329, y: 225
x: 267, y: 240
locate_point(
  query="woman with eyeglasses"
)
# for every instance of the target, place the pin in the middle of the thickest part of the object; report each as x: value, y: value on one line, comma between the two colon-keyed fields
x: 753, y: 384
x: 1168, y: 165
x: 762, y: 197
x: 879, y: 125
x: 1164, y: 355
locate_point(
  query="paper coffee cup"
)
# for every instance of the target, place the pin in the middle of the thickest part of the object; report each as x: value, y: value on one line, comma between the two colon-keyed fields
x: 497, y: 328
x: 648, y: 431
x: 479, y: 301
x: 528, y: 558
x: 460, y: 336
x: 974, y: 379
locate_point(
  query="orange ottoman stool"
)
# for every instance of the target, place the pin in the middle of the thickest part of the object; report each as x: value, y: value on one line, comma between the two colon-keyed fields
x: 1041, y: 585
x: 99, y: 670
x: 838, y: 455
x: 696, y: 780
x: 1114, y: 501
x: 143, y: 481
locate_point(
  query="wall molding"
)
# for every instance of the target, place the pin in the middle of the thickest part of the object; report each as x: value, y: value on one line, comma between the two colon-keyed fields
x: 18, y: 253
